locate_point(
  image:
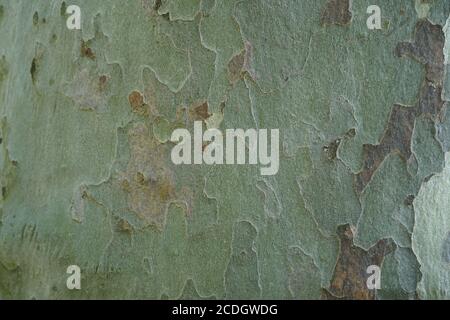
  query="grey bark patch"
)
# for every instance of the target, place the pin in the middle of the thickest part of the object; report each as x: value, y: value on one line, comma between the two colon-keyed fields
x: 2, y: 12
x: 36, y: 62
x: 3, y: 69
x: 446, y: 249
x: 409, y: 200
x: 430, y: 101
x: 33, y: 69
x: 336, y: 12
x: 243, y: 265
x: 190, y: 292
x: 89, y: 91
x: 303, y: 273
x: 8, y: 166
x: 444, y: 128
x: 272, y: 204
x: 157, y: 5
x: 63, y: 9
x: 77, y: 204
x: 35, y: 18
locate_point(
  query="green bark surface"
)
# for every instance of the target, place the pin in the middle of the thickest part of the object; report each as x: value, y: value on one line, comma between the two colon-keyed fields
x: 86, y: 175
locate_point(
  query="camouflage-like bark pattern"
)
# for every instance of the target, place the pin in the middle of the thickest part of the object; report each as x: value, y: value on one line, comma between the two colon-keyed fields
x: 86, y: 175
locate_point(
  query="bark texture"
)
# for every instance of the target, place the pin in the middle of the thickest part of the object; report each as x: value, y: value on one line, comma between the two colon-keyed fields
x: 85, y: 170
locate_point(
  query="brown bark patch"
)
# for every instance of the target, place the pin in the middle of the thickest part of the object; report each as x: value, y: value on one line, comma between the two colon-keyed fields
x: 427, y: 48
x: 397, y: 138
x: 336, y: 12
x: 199, y: 112
x: 350, y: 274
x: 147, y: 180
x: 86, y: 51
x: 241, y: 64
x: 136, y: 100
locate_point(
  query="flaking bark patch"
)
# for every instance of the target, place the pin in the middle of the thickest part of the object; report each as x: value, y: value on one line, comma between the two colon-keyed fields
x: 77, y: 207
x: 427, y: 48
x: 350, y: 277
x: 148, y: 182
x: 137, y: 104
x: 241, y: 64
x: 8, y: 166
x: 331, y: 149
x: 336, y: 12
x: 2, y: 13
x: 3, y: 69
x: 86, y: 51
x: 199, y: 112
x: 90, y: 92
x: 36, y: 62
x: 446, y: 249
x: 397, y: 138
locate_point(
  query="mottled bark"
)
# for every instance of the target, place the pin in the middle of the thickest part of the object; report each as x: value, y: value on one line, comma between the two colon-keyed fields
x: 86, y: 176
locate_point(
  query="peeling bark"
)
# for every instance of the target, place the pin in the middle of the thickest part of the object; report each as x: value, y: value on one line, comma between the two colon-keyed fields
x: 86, y: 176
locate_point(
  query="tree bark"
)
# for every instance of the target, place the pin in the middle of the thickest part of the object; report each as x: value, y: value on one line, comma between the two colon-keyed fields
x: 87, y: 177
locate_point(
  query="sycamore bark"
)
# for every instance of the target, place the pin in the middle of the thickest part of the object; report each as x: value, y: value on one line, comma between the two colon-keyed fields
x: 86, y: 176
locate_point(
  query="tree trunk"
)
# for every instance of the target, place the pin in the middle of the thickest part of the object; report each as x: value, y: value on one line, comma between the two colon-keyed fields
x: 88, y: 178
